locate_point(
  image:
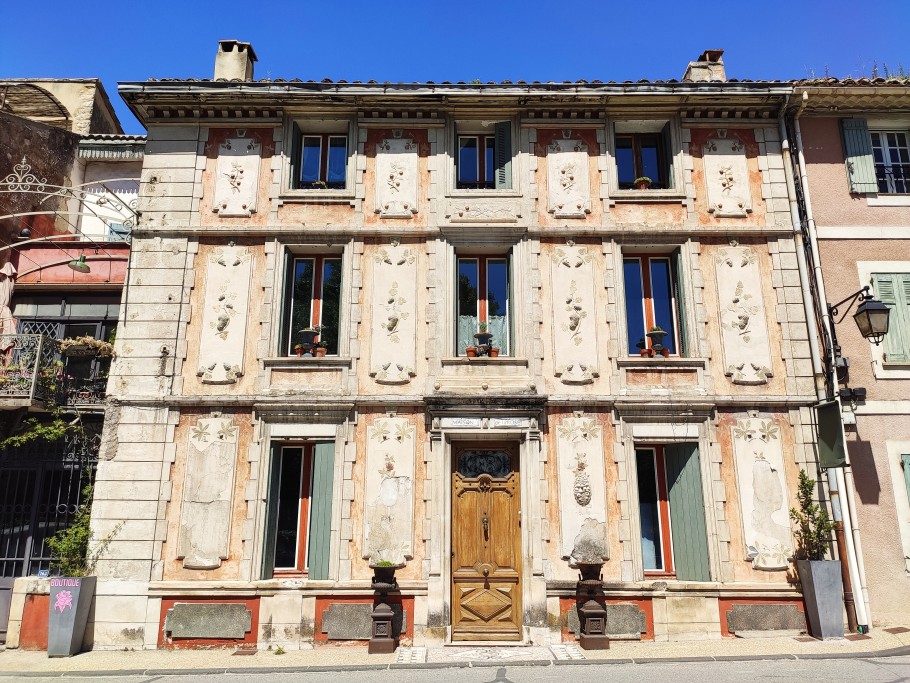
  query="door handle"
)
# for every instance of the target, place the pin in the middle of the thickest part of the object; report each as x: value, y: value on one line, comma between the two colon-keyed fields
x: 486, y: 527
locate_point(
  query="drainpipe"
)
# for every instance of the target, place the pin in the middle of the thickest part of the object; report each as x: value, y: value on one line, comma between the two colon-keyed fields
x: 844, y: 507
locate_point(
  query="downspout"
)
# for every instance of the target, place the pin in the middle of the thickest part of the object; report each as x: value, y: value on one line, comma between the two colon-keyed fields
x: 842, y: 506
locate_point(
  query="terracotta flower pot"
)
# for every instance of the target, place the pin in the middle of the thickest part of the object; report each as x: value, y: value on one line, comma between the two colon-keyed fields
x: 299, y: 352
x: 471, y: 352
x: 321, y: 351
x: 494, y: 352
x: 643, y: 186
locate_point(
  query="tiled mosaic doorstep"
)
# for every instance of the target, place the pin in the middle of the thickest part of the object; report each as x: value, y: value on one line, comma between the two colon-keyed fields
x: 567, y: 651
x: 489, y: 654
x: 411, y: 655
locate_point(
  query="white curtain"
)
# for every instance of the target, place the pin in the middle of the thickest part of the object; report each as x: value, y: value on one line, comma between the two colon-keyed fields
x: 467, y: 326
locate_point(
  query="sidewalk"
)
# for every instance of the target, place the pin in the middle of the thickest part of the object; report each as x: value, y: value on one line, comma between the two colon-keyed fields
x: 341, y: 658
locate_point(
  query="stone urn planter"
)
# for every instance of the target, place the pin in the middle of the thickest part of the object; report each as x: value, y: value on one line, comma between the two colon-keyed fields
x: 592, y: 612
x: 823, y: 595
x: 70, y: 601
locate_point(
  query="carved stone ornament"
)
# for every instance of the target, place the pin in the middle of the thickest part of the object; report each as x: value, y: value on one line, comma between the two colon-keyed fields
x: 582, y: 494
x: 393, y: 344
x: 237, y: 177
x: 482, y: 212
x: 396, y: 178
x: 574, y: 329
x: 568, y: 179
x: 762, y: 484
x: 727, y: 177
x: 388, y: 526
x: 744, y: 325
x: 222, y: 338
x: 208, y: 490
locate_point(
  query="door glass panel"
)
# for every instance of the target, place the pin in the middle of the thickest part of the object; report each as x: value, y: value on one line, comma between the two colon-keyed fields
x: 647, y: 506
x: 288, y: 508
x: 497, y: 464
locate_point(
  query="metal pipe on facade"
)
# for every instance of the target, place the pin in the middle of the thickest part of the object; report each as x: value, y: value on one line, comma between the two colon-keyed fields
x: 836, y: 479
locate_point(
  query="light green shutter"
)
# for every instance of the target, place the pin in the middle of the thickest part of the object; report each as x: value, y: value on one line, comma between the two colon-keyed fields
x: 893, y: 289
x: 667, y: 140
x: 858, y: 152
x: 503, y: 154
x: 687, y: 512
x: 320, y: 532
x: 905, y: 463
x: 271, y: 514
x: 683, y: 346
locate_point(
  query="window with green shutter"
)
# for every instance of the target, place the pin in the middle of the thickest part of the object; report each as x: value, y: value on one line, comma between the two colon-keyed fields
x: 905, y: 464
x: 674, y: 540
x: 483, y: 155
x: 893, y: 289
x: 858, y: 156
x: 299, y: 510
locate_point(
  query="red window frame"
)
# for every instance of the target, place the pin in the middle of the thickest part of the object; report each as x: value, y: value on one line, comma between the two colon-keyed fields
x: 303, y: 511
x: 316, y: 295
x: 663, y: 512
x: 324, y: 144
x: 648, y: 296
x: 482, y: 292
x: 484, y: 143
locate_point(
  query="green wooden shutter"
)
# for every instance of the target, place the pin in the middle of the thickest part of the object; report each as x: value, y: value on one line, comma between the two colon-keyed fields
x: 503, y: 154
x: 271, y: 514
x: 687, y: 512
x: 893, y: 290
x: 294, y: 152
x: 320, y: 532
x: 683, y: 345
x: 858, y: 152
x: 667, y: 140
x: 905, y: 463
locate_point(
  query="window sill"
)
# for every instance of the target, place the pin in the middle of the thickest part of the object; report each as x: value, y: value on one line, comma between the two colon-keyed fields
x: 630, y: 196
x: 888, y: 199
x: 660, y: 361
x: 296, y: 362
x: 464, y: 194
x: 484, y: 360
x: 306, y: 196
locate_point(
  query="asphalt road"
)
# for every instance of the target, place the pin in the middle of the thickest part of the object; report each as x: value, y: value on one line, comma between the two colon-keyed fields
x: 880, y: 670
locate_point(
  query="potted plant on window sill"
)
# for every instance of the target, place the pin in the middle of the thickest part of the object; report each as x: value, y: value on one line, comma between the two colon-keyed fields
x: 820, y: 579
x: 642, y: 182
x: 322, y: 348
x: 656, y: 334
x: 643, y: 349
x: 483, y: 337
x: 471, y: 351
x: 85, y: 347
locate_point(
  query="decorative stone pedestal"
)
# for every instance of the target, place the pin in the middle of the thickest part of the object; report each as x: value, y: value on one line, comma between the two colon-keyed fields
x: 592, y: 612
x: 382, y: 637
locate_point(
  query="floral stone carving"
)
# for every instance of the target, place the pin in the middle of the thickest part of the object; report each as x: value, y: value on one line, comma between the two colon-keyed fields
x: 481, y: 212
x: 393, y: 344
x: 744, y: 325
x: 237, y: 177
x: 208, y: 488
x: 388, y: 527
x: 222, y: 338
x: 396, y: 178
x: 582, y: 495
x: 574, y: 333
x: 727, y: 177
x: 568, y: 179
x: 762, y: 484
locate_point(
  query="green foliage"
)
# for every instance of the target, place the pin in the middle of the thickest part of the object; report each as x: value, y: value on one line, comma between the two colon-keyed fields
x: 814, y: 526
x: 70, y: 546
x: 34, y: 428
x: 279, y: 650
x: 384, y: 563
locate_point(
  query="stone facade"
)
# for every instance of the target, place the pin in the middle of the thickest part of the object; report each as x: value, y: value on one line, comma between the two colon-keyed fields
x: 393, y: 401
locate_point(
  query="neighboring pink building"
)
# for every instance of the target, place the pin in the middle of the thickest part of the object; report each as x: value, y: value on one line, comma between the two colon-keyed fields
x: 855, y: 137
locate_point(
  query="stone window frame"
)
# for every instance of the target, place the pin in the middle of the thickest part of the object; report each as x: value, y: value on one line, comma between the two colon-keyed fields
x: 895, y: 449
x: 638, y: 432
x: 450, y: 146
x: 323, y: 126
x: 677, y: 159
x: 305, y: 484
x: 865, y: 270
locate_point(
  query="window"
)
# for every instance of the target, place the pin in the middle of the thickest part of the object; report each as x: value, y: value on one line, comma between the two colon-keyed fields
x: 483, y: 297
x: 298, y: 534
x: 315, y: 295
x: 891, y: 154
x: 672, y: 512
x: 483, y: 156
x: 320, y: 151
x: 878, y: 161
x: 894, y: 290
x: 652, y: 300
x: 643, y: 149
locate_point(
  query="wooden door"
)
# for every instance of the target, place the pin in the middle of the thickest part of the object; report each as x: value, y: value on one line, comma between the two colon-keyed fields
x: 486, y: 543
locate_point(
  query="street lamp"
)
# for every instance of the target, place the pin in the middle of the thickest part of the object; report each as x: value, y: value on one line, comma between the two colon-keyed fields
x: 871, y: 316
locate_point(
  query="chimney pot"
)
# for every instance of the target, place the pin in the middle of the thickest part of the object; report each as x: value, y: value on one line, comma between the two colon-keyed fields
x: 709, y: 67
x: 234, y: 61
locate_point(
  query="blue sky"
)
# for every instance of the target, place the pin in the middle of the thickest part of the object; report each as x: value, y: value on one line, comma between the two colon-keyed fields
x: 398, y: 40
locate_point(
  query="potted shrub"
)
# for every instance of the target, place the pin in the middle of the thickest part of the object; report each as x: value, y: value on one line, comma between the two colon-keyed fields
x: 85, y: 346
x: 72, y: 591
x: 322, y: 348
x: 642, y: 183
x: 298, y: 349
x: 471, y: 351
x: 483, y: 337
x: 820, y: 579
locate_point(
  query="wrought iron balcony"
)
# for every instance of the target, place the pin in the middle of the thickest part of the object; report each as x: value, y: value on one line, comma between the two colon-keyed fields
x: 32, y: 371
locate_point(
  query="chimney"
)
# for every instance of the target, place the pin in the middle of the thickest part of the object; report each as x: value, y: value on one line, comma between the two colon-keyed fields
x: 709, y: 67
x: 234, y: 61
